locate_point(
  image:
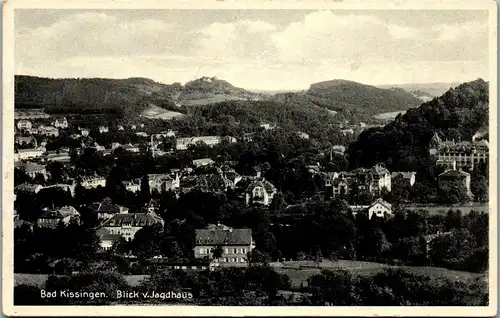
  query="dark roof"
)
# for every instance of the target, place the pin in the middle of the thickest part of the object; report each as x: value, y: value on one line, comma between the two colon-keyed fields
x: 268, y: 186
x: 223, y: 236
x: 105, y: 235
x: 104, y: 207
x: 59, y: 214
x: 454, y: 174
x: 133, y: 219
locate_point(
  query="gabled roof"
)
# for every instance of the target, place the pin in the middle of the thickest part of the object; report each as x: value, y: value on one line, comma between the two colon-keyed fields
x: 268, y: 186
x: 403, y: 174
x: 106, y: 235
x: 133, y: 219
x: 382, y: 202
x: 105, y: 207
x: 454, y: 174
x: 222, y: 235
x: 60, y: 213
x: 33, y: 167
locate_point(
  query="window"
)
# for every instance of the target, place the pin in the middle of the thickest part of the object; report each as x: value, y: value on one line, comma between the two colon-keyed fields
x: 244, y: 251
x: 235, y: 250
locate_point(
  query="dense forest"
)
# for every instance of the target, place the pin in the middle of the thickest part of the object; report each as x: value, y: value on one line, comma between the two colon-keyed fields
x: 403, y: 144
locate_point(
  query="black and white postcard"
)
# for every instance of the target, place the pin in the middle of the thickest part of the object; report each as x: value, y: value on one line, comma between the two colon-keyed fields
x: 257, y: 158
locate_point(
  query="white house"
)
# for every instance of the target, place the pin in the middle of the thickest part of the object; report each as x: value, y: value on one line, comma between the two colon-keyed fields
x: 127, y: 224
x: 24, y: 124
x: 103, y: 129
x: 48, y: 131
x: 23, y: 154
x: 60, y: 123
x: 203, y: 162
x: 260, y: 191
x: 93, y: 182
x: 84, y: 132
x: 379, y: 208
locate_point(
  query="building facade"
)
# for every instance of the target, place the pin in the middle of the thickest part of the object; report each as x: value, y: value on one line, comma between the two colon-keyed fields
x: 260, y: 191
x: 127, y: 224
x: 464, y: 154
x: 235, y: 244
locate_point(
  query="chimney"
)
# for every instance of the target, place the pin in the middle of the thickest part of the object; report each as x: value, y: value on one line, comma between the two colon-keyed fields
x: 454, y: 165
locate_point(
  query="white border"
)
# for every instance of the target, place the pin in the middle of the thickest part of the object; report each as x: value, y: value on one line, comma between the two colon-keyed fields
x: 8, y: 151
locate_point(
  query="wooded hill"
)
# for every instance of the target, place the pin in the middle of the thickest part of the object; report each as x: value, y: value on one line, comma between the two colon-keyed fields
x: 403, y: 144
x: 352, y: 101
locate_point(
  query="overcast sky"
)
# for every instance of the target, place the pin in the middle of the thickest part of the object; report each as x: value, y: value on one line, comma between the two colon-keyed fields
x: 254, y: 49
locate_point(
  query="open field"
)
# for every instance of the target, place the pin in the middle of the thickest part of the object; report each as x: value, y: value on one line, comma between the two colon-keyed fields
x: 209, y: 100
x: 40, y: 279
x: 442, y: 210
x: 389, y: 115
x: 300, y: 271
x: 155, y: 112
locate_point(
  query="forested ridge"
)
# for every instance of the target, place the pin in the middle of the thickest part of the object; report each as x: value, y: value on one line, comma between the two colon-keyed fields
x: 402, y: 145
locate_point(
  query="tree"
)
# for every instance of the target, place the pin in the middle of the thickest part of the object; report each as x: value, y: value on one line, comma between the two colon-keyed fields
x: 217, y: 252
x: 332, y: 288
x: 145, y: 194
x: 147, y: 241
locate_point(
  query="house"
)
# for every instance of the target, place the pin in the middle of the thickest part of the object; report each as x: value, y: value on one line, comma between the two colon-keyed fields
x: 103, y: 129
x: 52, y: 218
x: 373, y: 180
x: 131, y: 148
x: 23, y: 154
x: 62, y: 156
x: 25, y: 140
x: 60, y: 123
x: 403, y: 178
x: 28, y: 188
x: 64, y: 187
x: 426, y: 240
x: 343, y: 186
x: 348, y: 131
x: 267, y: 126
x: 203, y: 162
x: 184, y: 143
x: 106, y: 209
x: 329, y: 177
x: 260, y: 191
x: 303, y: 135
x: 163, y: 182
x: 107, y: 239
x: 235, y: 244
x: 209, y: 182
x: 127, y: 224
x: 455, y: 179
x: 120, y: 127
x: 50, y: 131
x: 141, y: 134
x: 84, y: 132
x: 32, y: 169
x: 379, y: 208
x: 338, y: 149
x: 133, y: 186
x: 24, y: 124
x: 115, y: 145
x: 93, y: 182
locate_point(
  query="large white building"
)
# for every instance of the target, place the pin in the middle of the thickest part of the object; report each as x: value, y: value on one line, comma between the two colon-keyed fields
x: 23, y: 154
x: 464, y: 153
x: 184, y: 143
x: 127, y: 224
x: 93, y: 182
